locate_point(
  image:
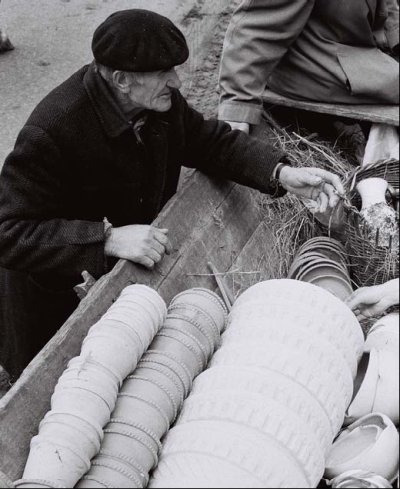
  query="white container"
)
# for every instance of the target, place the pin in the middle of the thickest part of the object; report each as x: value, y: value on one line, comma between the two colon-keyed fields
x: 268, y: 418
x: 330, y: 392
x: 52, y: 462
x: 153, y: 391
x: 359, y: 478
x: 197, y: 329
x: 198, y: 315
x: 304, y: 304
x: 180, y: 349
x: 148, y: 294
x: 372, y: 191
x: 228, y: 449
x: 81, y: 402
x: 377, y: 214
x: 112, y: 352
x: 288, y: 360
x: 379, y: 390
x: 91, y: 482
x: 223, y: 381
x: 139, y: 321
x: 370, y: 444
x: 384, y: 334
x: 163, y: 376
x: 201, y: 470
x: 132, y: 442
x: 301, y: 338
x: 204, y: 300
x: 33, y: 483
x: 143, y: 411
x: 172, y: 362
x: 125, y: 332
x: 187, y: 338
x: 114, y: 473
x: 77, y: 436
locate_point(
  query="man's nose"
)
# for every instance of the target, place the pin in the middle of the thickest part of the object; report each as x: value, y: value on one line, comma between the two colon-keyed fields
x: 174, y: 80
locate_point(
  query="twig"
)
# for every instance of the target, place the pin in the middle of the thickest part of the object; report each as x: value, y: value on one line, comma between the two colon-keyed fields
x: 226, y: 295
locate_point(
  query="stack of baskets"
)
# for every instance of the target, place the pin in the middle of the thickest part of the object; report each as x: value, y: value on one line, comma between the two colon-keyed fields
x: 152, y: 396
x: 323, y: 261
x: 266, y: 411
x: 371, y: 264
x: 70, y: 434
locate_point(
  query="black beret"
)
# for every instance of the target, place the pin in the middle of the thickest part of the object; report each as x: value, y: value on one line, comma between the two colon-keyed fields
x: 139, y: 40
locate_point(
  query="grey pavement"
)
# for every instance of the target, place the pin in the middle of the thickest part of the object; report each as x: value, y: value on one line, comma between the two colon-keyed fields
x: 52, y: 40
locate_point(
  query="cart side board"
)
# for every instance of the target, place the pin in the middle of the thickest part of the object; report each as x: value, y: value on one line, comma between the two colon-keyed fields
x: 209, y: 220
x: 380, y: 114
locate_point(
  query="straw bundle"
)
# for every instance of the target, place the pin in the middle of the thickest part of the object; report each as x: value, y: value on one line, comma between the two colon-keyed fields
x: 288, y: 219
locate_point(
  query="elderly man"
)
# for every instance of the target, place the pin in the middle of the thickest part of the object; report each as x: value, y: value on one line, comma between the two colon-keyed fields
x: 96, y: 162
x: 335, y: 51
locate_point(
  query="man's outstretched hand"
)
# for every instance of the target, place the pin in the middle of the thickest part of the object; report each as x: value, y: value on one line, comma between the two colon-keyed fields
x: 373, y: 301
x: 141, y: 244
x: 321, y: 186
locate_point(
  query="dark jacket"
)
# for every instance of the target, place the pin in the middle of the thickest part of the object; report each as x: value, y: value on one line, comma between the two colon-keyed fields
x: 335, y: 51
x: 78, y: 160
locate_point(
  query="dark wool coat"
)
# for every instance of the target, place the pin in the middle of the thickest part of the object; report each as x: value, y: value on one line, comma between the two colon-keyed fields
x: 78, y: 160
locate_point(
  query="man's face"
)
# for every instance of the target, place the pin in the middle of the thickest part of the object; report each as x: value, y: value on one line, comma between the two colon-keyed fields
x: 153, y: 90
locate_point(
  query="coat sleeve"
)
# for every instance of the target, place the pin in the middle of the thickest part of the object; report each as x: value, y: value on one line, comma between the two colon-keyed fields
x: 259, y: 35
x: 392, y: 24
x: 35, y: 236
x: 212, y: 147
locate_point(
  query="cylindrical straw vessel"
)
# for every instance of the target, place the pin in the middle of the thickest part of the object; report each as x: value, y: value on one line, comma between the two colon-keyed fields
x: 71, y: 433
x: 152, y: 396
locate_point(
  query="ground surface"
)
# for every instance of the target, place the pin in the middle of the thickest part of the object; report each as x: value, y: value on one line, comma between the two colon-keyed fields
x: 52, y: 40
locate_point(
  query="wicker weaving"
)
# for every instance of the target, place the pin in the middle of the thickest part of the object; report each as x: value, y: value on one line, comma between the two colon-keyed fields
x: 371, y: 263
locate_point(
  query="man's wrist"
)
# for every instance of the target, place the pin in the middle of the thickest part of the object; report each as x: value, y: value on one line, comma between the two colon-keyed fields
x: 277, y: 170
x: 276, y: 182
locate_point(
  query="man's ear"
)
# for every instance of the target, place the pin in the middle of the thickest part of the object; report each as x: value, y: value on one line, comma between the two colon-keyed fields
x: 122, y: 81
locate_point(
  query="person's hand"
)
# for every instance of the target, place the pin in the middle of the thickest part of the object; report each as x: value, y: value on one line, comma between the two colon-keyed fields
x: 141, y: 244
x: 374, y: 301
x: 241, y: 126
x: 321, y: 186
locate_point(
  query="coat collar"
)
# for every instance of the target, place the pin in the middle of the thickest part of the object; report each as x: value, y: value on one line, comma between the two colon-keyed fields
x: 108, y: 111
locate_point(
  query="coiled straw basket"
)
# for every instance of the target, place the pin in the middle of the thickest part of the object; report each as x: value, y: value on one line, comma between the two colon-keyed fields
x: 371, y: 264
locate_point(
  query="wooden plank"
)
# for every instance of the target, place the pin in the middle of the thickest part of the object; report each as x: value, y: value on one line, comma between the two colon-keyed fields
x: 255, y: 262
x: 207, y: 220
x: 384, y: 114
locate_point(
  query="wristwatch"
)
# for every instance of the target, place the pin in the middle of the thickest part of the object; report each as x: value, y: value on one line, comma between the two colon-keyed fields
x: 275, y: 179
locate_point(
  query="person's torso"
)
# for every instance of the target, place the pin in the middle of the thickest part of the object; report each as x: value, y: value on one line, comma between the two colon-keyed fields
x: 336, y: 58
x: 127, y: 178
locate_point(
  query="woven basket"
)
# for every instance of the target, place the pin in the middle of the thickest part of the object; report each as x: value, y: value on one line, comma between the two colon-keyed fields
x: 370, y: 264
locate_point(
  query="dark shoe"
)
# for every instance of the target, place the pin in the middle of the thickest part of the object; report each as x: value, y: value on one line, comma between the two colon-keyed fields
x: 351, y: 138
x: 5, y: 43
x: 5, y: 382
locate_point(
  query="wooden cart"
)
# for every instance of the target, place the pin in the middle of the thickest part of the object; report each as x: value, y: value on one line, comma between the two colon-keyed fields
x: 208, y: 220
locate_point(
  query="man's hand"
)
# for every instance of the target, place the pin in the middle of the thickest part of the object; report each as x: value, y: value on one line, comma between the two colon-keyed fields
x: 374, y: 301
x: 138, y: 243
x: 316, y: 184
x: 241, y: 126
